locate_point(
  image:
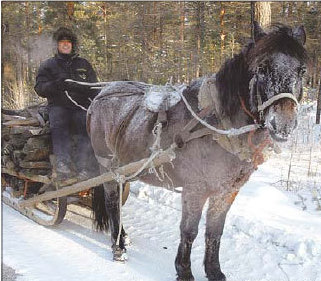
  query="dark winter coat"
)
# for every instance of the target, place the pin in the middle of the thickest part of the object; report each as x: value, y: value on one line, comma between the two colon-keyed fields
x: 52, y: 73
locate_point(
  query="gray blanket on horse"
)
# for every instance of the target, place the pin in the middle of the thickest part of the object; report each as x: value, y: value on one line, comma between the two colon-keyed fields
x: 156, y: 97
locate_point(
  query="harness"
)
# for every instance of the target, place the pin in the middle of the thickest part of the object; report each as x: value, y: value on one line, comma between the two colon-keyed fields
x: 262, y: 106
x: 232, y: 140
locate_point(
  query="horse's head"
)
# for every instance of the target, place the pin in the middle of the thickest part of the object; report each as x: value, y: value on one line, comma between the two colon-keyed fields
x: 277, y: 64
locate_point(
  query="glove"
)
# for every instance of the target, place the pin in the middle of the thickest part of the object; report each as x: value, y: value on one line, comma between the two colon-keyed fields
x: 60, y: 82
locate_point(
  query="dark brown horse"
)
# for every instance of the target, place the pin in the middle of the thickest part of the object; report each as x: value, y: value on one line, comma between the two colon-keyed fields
x: 260, y: 85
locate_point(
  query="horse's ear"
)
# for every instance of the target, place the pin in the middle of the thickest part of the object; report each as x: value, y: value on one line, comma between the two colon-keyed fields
x: 258, y: 31
x: 299, y: 34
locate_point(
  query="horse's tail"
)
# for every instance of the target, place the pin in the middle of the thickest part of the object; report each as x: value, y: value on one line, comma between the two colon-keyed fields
x: 99, y: 209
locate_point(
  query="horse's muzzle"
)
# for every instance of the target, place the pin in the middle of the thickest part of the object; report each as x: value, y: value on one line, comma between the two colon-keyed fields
x: 281, y: 120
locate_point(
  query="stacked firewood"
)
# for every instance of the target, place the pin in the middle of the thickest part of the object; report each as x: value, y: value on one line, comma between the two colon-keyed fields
x: 26, y: 143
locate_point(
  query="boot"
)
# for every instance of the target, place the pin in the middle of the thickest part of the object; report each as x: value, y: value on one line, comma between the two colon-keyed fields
x: 63, y: 171
x: 83, y: 175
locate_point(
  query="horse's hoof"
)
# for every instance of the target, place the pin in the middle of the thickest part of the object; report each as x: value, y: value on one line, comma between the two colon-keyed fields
x: 218, y: 277
x: 119, y: 255
x: 189, y: 278
x: 122, y: 258
x: 127, y: 241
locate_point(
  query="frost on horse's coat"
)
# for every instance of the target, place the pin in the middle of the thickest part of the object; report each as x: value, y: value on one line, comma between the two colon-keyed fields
x: 121, y: 127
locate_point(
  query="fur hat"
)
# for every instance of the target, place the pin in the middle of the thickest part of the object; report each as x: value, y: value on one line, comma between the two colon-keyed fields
x: 63, y: 33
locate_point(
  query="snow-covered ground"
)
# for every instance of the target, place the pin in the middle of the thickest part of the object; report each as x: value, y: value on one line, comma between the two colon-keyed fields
x: 272, y: 233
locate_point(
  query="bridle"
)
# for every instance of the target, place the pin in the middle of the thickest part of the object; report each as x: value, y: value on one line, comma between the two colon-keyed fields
x: 262, y: 106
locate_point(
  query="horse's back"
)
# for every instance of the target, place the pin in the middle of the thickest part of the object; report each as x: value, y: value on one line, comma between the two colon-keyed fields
x: 119, y: 124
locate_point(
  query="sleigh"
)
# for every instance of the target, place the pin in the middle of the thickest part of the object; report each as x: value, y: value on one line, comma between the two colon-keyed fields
x: 28, y: 175
x: 29, y: 178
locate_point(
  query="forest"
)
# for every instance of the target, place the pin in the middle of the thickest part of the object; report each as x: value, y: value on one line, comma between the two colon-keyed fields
x: 154, y: 42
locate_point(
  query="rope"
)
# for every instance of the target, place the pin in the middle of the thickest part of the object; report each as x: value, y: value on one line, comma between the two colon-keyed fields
x: 156, y: 150
x: 120, y: 179
x: 247, y: 111
x: 258, y: 157
x: 230, y: 132
x: 100, y: 85
x: 74, y: 102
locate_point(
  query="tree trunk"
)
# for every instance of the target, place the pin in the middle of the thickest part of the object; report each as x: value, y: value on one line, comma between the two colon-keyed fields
x: 28, y: 68
x: 319, y: 105
x: 181, y: 44
x: 107, y: 55
x: 252, y: 19
x: 154, y: 22
x: 143, y: 40
x: 70, y: 10
x: 222, y: 34
x: 199, y: 37
x: 39, y: 20
x: 263, y: 13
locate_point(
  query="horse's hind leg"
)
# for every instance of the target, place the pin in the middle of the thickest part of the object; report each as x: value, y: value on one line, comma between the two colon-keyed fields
x: 192, y: 205
x: 111, y: 192
x: 215, y: 219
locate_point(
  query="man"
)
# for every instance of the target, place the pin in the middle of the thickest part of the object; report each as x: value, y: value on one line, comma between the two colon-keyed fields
x: 67, y: 118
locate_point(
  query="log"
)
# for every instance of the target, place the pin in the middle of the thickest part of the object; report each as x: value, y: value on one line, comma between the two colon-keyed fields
x: 26, y: 143
x: 19, y: 112
x: 22, y: 122
x: 37, y: 148
x: 35, y: 165
x: 164, y: 157
x: 41, y: 120
x: 36, y: 178
x: 36, y: 172
x: 8, y: 163
x: 37, y: 154
x: 17, y: 156
x: 6, y: 117
x: 5, y: 133
x: 37, y: 142
x: 22, y: 129
x: 18, y: 141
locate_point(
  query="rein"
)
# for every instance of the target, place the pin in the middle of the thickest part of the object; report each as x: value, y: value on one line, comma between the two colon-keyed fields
x: 230, y: 132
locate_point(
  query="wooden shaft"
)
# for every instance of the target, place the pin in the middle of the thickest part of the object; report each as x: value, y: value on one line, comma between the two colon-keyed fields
x: 164, y: 157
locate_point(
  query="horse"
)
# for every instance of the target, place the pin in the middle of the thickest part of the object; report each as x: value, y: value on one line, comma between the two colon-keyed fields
x: 261, y: 86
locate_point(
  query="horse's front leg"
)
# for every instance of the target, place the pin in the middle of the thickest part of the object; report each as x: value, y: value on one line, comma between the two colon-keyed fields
x: 192, y: 205
x: 215, y: 219
x: 112, y: 198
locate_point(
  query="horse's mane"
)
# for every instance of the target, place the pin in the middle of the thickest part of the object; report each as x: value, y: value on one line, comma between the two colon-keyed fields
x: 234, y: 76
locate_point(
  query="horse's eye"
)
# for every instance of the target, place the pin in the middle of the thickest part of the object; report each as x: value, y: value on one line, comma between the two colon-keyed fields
x: 261, y: 69
x: 264, y: 68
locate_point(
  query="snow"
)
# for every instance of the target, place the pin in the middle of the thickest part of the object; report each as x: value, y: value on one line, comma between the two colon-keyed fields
x: 272, y: 232
x: 161, y: 98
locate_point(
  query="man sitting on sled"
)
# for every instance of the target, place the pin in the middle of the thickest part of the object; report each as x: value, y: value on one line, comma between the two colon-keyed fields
x: 67, y: 103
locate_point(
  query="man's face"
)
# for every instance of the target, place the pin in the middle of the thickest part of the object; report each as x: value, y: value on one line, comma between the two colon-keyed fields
x: 64, y: 46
